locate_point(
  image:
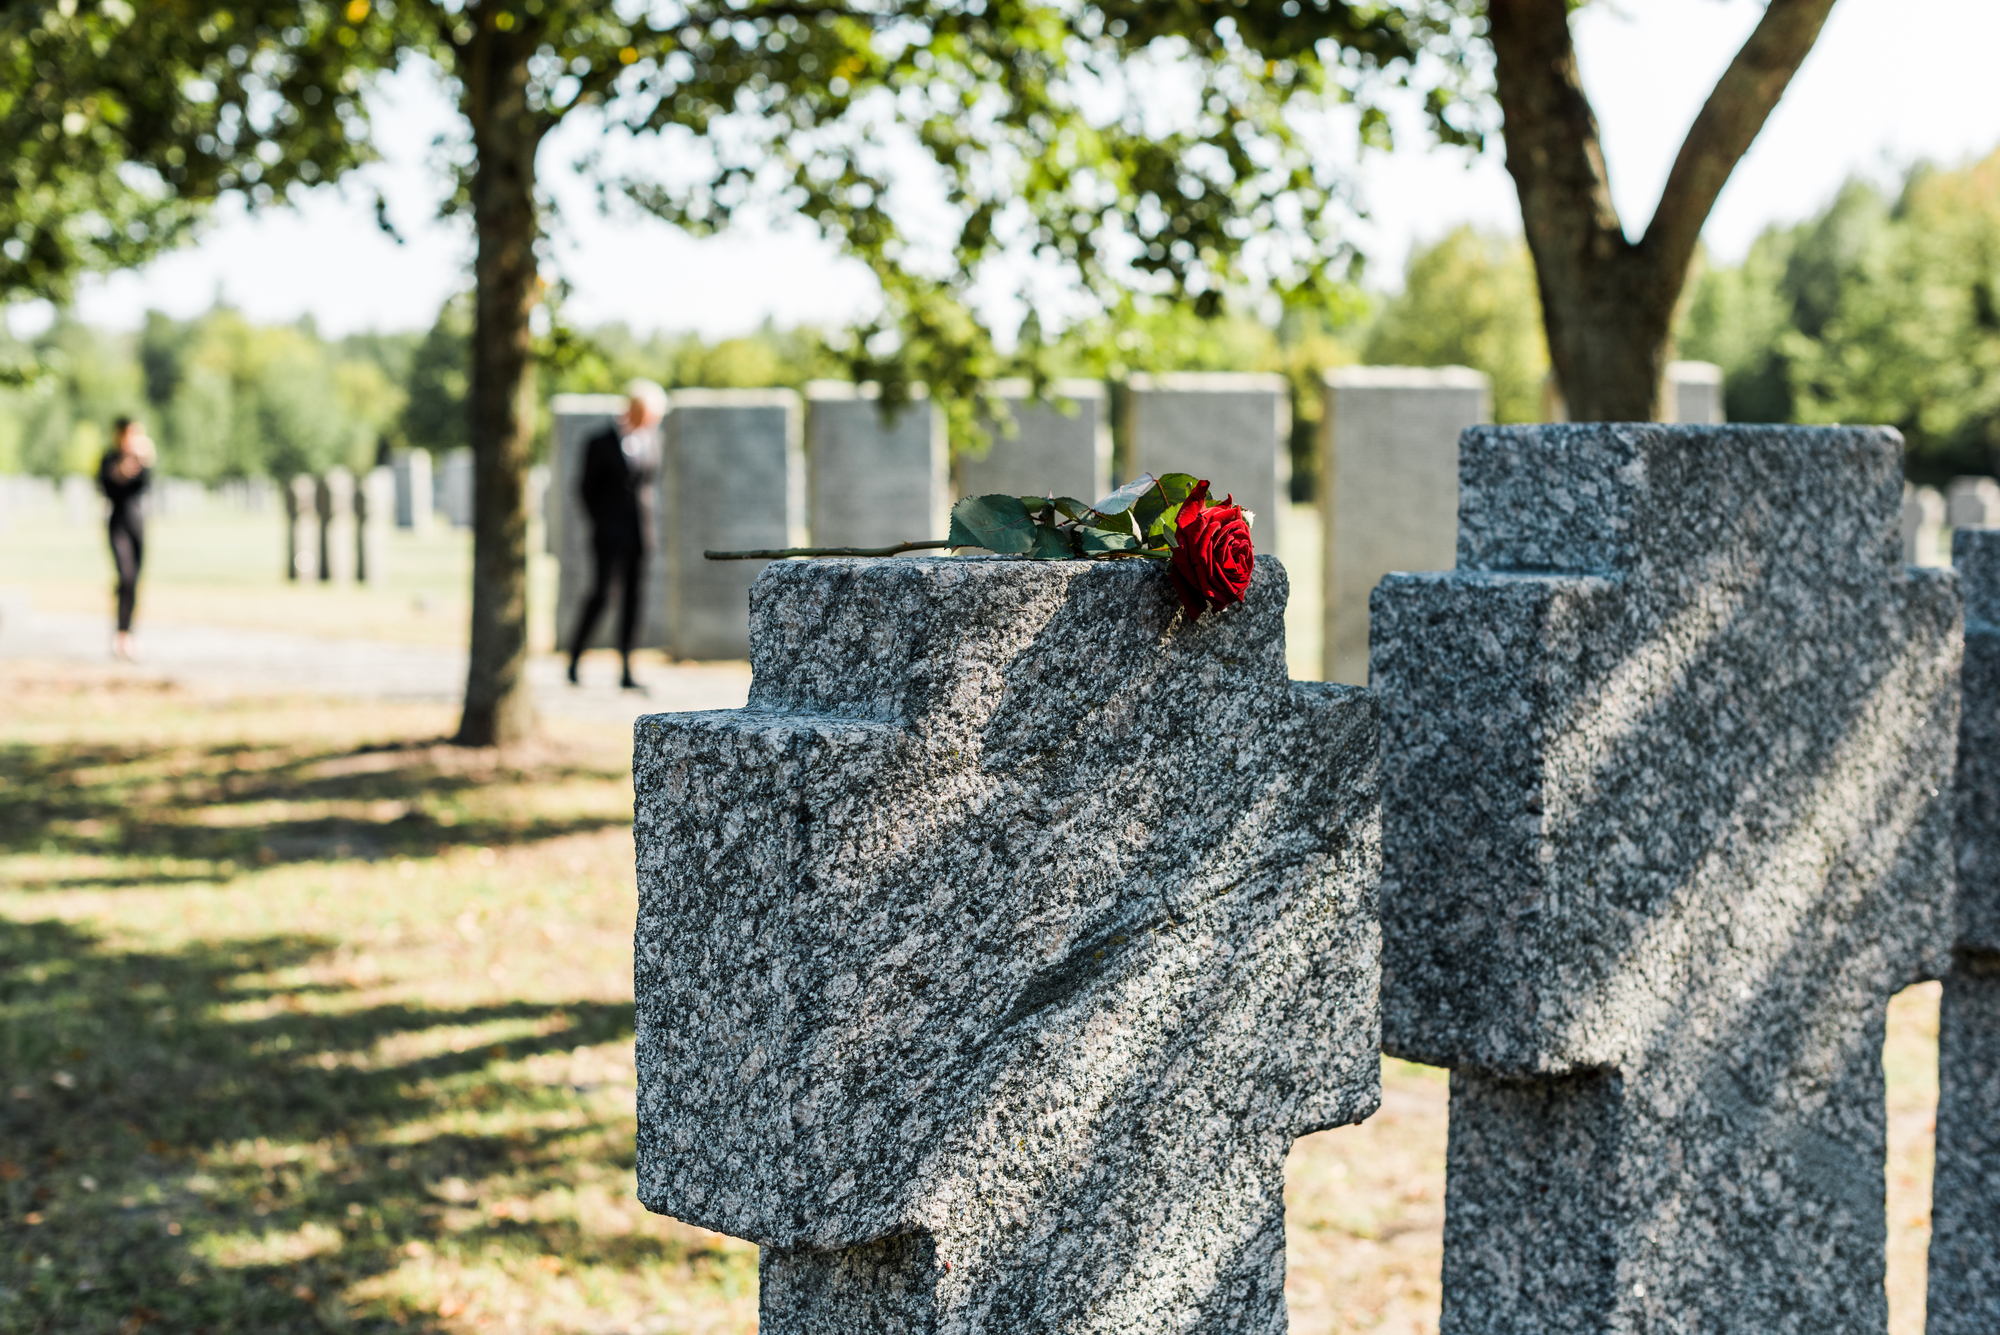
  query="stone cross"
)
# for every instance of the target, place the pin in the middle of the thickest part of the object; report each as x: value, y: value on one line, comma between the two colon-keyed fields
x: 872, y: 482
x: 1234, y: 429
x: 990, y: 960
x: 733, y: 479
x: 1059, y: 447
x: 1665, y: 825
x: 1388, y: 487
x: 1965, y: 1192
x: 567, y: 533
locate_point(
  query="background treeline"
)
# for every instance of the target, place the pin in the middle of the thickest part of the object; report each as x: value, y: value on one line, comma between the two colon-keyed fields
x: 1881, y: 308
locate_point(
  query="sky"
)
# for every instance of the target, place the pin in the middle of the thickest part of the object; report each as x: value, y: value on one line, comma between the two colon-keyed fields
x: 1889, y: 82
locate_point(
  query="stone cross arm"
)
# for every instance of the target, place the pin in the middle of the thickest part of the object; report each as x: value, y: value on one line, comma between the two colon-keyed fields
x: 991, y: 959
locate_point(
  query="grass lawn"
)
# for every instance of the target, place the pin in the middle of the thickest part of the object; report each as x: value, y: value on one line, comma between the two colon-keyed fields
x: 308, y: 1023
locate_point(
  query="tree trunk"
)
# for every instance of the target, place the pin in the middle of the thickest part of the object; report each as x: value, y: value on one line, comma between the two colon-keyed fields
x: 493, y: 71
x: 1608, y: 302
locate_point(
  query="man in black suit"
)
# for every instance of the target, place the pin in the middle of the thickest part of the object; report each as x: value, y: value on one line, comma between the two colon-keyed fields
x: 619, y: 465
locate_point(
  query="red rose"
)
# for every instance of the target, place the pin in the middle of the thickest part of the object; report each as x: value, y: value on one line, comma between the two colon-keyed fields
x: 1212, y: 557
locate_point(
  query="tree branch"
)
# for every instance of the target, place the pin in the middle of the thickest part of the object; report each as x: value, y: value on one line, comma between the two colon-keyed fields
x: 1729, y: 121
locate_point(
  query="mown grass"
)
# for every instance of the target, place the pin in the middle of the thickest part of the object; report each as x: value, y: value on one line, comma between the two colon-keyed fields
x: 309, y: 1026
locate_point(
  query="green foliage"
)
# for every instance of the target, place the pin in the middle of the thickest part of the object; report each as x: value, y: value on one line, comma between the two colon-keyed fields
x: 124, y: 118
x: 1470, y: 299
x: 434, y: 415
x: 1137, y: 520
x: 1873, y: 311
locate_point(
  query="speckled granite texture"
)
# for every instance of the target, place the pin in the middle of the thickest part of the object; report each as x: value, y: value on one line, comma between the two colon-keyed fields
x: 1965, y: 1192
x: 990, y: 960
x: 1666, y: 821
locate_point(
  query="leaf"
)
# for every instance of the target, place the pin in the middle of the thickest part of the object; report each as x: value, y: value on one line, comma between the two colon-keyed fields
x: 1156, y: 510
x: 1051, y: 545
x: 1073, y: 509
x: 1098, y: 542
x: 997, y: 523
x: 1123, y: 499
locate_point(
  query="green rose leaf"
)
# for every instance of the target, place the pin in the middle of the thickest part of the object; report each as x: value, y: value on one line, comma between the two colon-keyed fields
x: 1051, y: 545
x: 1123, y: 499
x: 1155, y: 510
x: 997, y: 523
x: 1099, y: 542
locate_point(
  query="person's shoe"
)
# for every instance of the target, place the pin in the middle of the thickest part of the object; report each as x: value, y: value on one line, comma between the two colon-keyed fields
x: 572, y: 673
x: 630, y: 683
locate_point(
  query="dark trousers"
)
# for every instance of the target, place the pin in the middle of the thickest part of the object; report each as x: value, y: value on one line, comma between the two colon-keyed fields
x: 620, y: 563
x: 128, y: 549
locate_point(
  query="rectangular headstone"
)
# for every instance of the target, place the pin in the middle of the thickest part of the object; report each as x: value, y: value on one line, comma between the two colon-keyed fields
x: 1388, y: 488
x: 374, y: 515
x: 736, y: 481
x: 1232, y: 429
x: 334, y: 502
x: 1965, y: 1190
x: 414, y: 490
x: 1694, y: 394
x: 1666, y: 823
x: 1922, y: 526
x: 302, y: 527
x: 454, y: 488
x: 990, y: 960
x: 1972, y: 502
x: 1060, y: 446
x: 871, y: 483
x: 578, y: 417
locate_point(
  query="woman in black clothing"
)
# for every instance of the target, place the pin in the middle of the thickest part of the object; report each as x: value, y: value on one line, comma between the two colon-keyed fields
x: 123, y: 476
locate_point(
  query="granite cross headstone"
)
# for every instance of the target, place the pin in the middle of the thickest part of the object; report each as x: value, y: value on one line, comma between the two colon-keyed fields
x: 735, y: 480
x: 874, y: 481
x: 990, y: 960
x: 1965, y: 1190
x: 1664, y: 828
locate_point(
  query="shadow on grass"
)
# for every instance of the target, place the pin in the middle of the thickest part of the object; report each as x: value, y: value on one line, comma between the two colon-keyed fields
x: 142, y: 1128
x: 234, y: 806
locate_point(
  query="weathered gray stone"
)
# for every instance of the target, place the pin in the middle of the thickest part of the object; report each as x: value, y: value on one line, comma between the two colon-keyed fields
x: 374, y: 513
x: 415, y: 492
x: 1664, y: 828
x: 1965, y: 1192
x: 1388, y: 489
x: 1061, y: 446
x: 989, y: 962
x: 1231, y: 429
x: 1694, y: 394
x: 1972, y: 502
x: 577, y: 418
x: 870, y: 482
x: 453, y: 486
x: 1922, y: 527
x: 301, y: 527
x: 735, y: 480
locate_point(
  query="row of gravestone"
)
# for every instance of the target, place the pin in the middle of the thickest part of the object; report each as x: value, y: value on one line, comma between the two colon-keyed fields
x: 1930, y: 515
x: 767, y: 468
x: 990, y: 960
x: 337, y: 525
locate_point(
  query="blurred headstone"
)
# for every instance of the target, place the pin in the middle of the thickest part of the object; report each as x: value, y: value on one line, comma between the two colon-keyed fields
x: 1923, y: 526
x: 454, y: 488
x: 302, y: 528
x: 1232, y: 429
x: 334, y: 499
x: 578, y: 417
x: 1388, y: 489
x: 1061, y: 446
x: 374, y: 516
x: 1972, y: 502
x: 1666, y: 822
x: 79, y: 500
x: 415, y: 492
x: 1694, y: 394
x: 872, y: 483
x: 735, y: 481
